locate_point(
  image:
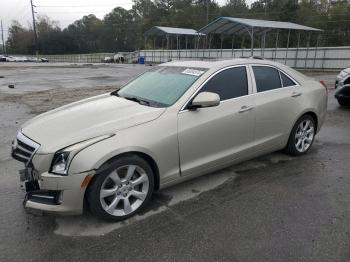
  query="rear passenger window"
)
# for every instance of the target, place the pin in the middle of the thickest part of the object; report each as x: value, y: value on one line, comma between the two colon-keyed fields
x: 286, y: 81
x: 229, y: 83
x: 266, y: 78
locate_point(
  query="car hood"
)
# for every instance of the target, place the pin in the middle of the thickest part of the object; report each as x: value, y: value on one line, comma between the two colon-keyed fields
x: 85, y: 119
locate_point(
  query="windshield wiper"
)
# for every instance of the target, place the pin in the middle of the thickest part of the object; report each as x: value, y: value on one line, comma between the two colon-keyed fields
x: 140, y: 101
x: 137, y: 100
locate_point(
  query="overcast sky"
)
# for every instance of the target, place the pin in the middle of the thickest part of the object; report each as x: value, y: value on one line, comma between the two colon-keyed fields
x: 63, y: 11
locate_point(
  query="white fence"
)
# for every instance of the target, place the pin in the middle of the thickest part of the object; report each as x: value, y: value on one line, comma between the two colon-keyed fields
x: 78, y: 58
x: 301, y: 58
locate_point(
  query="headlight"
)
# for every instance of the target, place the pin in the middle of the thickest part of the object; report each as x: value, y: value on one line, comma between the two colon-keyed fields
x: 60, y: 163
x: 63, y: 157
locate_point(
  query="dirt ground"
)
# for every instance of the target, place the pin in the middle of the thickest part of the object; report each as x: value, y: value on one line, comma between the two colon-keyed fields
x: 56, y: 82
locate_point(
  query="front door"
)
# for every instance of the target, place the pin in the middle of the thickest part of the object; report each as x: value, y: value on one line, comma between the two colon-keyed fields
x: 210, y: 137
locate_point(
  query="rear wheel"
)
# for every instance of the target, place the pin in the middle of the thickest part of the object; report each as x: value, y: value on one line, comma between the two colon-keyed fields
x: 302, y: 136
x: 342, y: 102
x: 122, y: 190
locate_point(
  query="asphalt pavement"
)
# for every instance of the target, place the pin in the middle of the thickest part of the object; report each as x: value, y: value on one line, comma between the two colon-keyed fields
x: 273, y: 208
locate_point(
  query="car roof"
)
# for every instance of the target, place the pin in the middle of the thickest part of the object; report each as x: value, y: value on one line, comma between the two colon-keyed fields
x: 221, y: 63
x: 217, y: 65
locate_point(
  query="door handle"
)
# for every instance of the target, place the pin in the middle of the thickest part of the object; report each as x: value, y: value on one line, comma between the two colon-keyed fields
x: 245, y: 109
x: 296, y: 94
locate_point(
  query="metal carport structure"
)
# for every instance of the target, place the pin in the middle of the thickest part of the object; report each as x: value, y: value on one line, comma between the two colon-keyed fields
x: 225, y: 26
x: 169, y: 32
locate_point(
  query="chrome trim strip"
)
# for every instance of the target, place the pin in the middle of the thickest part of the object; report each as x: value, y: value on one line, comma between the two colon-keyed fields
x: 23, y: 149
x: 22, y: 156
x: 25, y: 140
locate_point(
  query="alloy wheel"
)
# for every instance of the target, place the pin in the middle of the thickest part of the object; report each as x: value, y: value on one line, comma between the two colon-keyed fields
x: 304, y: 135
x: 124, y: 190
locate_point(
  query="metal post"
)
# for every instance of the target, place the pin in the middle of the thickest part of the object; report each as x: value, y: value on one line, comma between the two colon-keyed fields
x: 145, y: 42
x: 233, y: 40
x: 153, y: 51
x: 242, y: 43
x: 210, y: 39
x: 167, y: 42
x: 252, y: 43
x: 198, y: 39
x: 285, y: 61
x: 179, y: 51
x: 276, y: 44
x: 186, y: 42
x: 261, y: 45
x: 316, y: 49
x: 222, y: 39
x: 297, y: 51
x: 307, y: 50
x: 324, y: 56
x: 263, y: 54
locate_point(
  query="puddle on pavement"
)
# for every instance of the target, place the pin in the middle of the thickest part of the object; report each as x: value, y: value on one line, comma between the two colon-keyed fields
x: 87, y: 225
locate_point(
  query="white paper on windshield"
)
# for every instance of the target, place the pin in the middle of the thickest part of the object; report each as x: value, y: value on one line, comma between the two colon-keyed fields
x: 192, y: 72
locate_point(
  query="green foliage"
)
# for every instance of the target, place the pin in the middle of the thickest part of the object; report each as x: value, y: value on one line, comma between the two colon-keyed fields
x: 123, y: 30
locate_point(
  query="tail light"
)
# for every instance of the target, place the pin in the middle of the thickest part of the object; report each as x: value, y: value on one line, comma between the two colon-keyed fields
x: 324, y: 85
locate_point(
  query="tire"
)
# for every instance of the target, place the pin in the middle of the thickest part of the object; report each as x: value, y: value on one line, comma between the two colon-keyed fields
x: 122, y: 190
x: 302, y: 137
x: 342, y: 102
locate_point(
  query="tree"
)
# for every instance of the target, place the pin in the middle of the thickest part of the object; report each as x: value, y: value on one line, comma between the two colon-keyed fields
x: 20, y: 40
x: 123, y: 30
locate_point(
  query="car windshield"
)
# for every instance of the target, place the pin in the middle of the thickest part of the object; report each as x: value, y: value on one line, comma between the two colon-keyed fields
x: 162, y: 86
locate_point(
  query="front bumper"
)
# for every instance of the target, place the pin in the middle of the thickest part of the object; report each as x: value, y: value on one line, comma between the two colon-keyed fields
x: 58, y: 194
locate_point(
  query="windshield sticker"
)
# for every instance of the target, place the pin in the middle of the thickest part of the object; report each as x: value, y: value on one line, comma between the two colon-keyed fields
x: 192, y: 72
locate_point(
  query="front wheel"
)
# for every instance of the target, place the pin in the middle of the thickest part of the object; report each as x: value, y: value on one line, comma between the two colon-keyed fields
x: 302, y: 136
x: 122, y: 190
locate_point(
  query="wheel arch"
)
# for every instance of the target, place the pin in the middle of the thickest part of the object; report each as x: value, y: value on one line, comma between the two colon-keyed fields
x: 310, y: 113
x: 149, y: 159
x: 314, y: 116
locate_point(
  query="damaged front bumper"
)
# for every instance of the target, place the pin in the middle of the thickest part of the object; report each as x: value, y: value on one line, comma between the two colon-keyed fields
x: 53, y: 193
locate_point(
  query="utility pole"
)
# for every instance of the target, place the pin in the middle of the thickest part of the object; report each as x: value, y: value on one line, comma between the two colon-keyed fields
x: 208, y: 1
x: 34, y: 28
x: 3, y: 42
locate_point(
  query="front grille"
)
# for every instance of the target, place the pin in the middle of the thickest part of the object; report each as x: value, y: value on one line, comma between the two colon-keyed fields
x: 23, y: 148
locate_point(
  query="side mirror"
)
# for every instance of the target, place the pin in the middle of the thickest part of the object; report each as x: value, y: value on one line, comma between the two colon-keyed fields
x: 205, y: 99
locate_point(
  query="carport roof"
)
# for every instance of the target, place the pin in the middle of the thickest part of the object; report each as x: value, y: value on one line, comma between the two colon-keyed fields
x: 232, y: 25
x: 163, y: 30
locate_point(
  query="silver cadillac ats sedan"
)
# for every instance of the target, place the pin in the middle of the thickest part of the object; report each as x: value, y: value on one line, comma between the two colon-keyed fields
x: 177, y: 121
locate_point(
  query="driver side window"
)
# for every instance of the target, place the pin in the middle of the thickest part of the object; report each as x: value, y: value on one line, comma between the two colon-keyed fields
x: 229, y: 83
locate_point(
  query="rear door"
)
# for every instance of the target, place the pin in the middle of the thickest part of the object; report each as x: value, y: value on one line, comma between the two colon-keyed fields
x: 214, y: 136
x: 277, y: 103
